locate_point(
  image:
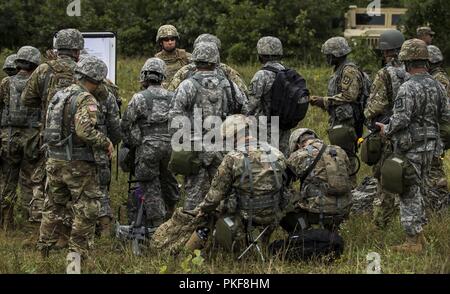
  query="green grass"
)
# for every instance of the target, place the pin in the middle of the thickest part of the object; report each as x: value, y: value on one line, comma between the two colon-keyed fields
x: 360, y: 236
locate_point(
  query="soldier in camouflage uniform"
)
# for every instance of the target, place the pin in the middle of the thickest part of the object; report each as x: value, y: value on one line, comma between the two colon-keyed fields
x: 438, y: 193
x: 413, y: 129
x: 324, y: 199
x: 228, y: 72
x: 168, y: 38
x: 379, y: 107
x: 344, y: 90
x: 145, y: 126
x: 43, y: 84
x: 9, y: 67
x: 248, y: 183
x: 75, y: 147
x: 16, y: 124
x: 206, y: 93
x: 426, y: 34
x: 270, y: 51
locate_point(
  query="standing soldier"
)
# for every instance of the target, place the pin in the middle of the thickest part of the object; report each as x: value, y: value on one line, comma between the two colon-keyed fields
x: 420, y: 105
x: 270, y: 52
x: 324, y: 171
x: 205, y: 93
x: 146, y: 130
x: 437, y: 186
x: 425, y: 34
x: 16, y: 124
x: 175, y: 58
x: 345, y: 89
x: 75, y: 146
x: 229, y: 73
x: 9, y: 67
x: 379, y: 108
x: 46, y: 80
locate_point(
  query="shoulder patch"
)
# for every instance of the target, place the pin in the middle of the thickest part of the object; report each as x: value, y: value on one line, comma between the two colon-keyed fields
x: 398, y: 104
x: 92, y: 107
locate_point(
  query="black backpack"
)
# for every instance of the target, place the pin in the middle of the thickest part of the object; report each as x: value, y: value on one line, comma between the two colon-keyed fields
x: 289, y: 97
x: 308, y: 244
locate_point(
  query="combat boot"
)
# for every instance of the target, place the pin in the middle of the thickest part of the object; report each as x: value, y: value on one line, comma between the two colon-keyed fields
x: 105, y: 226
x: 413, y: 244
x: 63, y: 239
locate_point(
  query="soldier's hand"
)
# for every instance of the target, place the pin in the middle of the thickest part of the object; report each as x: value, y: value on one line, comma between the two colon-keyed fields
x: 51, y: 55
x: 110, y: 150
x: 317, y: 101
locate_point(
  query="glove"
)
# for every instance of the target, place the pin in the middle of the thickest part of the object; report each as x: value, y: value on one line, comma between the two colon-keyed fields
x: 317, y: 101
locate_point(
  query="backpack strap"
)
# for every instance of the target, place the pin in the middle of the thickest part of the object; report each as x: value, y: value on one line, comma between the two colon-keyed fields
x: 388, y: 83
x: 312, y: 166
x: 248, y: 171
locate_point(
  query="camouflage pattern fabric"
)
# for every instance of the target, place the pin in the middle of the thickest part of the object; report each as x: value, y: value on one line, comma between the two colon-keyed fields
x: 442, y: 77
x: 414, y: 133
x: 174, y: 61
x: 147, y: 116
x: 414, y: 49
x: 30, y: 54
x: 425, y: 31
x: 92, y: 67
x: 363, y: 196
x: 206, y: 52
x: 435, y: 54
x: 69, y: 39
x: 337, y: 46
x: 10, y: 62
x: 166, y: 31
x: 270, y: 46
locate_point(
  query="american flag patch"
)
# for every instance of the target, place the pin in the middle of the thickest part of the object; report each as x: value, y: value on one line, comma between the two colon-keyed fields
x: 92, y: 107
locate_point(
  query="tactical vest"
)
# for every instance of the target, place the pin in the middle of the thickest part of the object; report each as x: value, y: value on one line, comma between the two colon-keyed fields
x: 59, y: 135
x: 15, y: 114
x: 213, y: 94
x: 155, y: 122
x: 173, y: 62
x: 396, y: 76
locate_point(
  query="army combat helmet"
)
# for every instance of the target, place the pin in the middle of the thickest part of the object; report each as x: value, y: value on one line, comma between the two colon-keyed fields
x: 206, y: 53
x: 435, y: 54
x: 391, y: 39
x: 270, y: 46
x: 167, y: 31
x: 93, y: 69
x: 9, y: 67
x: 337, y: 46
x: 153, y: 69
x: 297, y: 135
x: 414, y: 49
x: 69, y: 39
x: 29, y: 54
x: 208, y: 38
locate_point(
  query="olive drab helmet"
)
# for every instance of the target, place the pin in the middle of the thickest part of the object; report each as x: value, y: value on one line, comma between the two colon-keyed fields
x: 29, y: 54
x: 93, y: 68
x: 270, y: 46
x: 10, y: 62
x: 153, y: 69
x: 435, y: 54
x: 414, y: 49
x: 391, y: 39
x: 69, y: 39
x: 337, y: 46
x: 234, y: 124
x: 167, y: 31
x: 206, y: 52
x: 208, y: 38
x: 296, y: 136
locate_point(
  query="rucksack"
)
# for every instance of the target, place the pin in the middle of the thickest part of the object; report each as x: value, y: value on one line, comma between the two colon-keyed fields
x: 289, y: 97
x: 337, y: 175
x: 212, y: 98
x: 309, y: 244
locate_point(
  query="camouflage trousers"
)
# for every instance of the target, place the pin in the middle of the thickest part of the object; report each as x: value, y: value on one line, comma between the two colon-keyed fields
x: 412, y: 209
x: 19, y: 170
x: 197, y: 186
x: 158, y: 184
x: 438, y: 195
x: 77, y: 183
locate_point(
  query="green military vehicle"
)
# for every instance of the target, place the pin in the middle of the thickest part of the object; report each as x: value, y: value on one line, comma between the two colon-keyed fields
x: 359, y: 24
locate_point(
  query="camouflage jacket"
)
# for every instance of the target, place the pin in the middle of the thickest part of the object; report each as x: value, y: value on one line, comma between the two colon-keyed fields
x: 36, y: 94
x: 260, y: 87
x: 419, y: 106
x: 4, y: 93
x: 174, y: 61
x: 111, y: 113
x: 228, y: 72
x: 232, y: 180
x: 384, y: 90
x: 314, y: 196
x: 146, y: 117
x: 442, y: 77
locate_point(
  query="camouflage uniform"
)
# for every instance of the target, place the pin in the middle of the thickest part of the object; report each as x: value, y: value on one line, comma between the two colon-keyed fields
x: 45, y: 81
x: 261, y: 200
x: 145, y: 124
x: 73, y: 174
x: 344, y: 88
x: 379, y: 106
x: 208, y: 92
x: 17, y: 124
x: 414, y: 133
x: 261, y: 86
x: 174, y: 60
x: 315, y: 203
x: 438, y: 193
